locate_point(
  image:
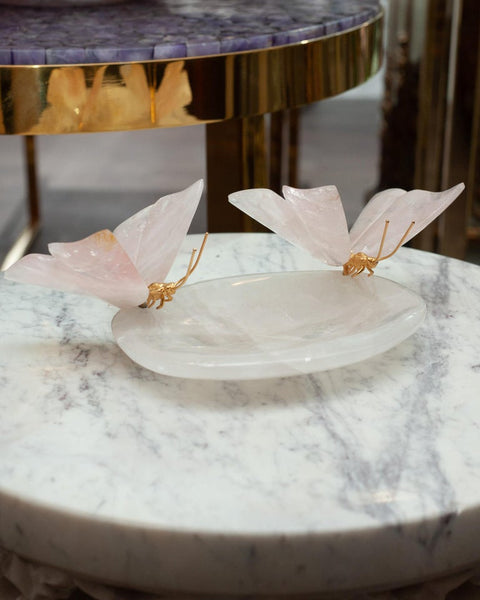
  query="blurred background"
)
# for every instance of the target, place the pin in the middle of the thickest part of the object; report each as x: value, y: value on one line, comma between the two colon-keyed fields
x: 414, y: 124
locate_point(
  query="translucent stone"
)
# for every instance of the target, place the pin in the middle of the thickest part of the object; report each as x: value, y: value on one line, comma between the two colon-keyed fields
x: 272, y: 325
x: 314, y: 218
x: 117, y: 267
x: 153, y: 236
x: 96, y: 265
x: 400, y: 208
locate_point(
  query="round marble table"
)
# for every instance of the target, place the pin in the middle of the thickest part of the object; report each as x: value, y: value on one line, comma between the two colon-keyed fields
x: 366, y: 476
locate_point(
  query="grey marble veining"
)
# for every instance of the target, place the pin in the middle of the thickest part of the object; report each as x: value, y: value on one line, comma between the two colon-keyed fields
x: 363, y: 476
x: 159, y: 29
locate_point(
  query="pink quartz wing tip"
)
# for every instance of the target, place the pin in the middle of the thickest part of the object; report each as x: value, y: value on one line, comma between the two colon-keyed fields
x: 314, y: 219
x: 116, y: 268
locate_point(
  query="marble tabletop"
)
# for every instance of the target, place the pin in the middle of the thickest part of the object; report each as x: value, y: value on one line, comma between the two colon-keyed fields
x: 140, y: 30
x: 360, y: 477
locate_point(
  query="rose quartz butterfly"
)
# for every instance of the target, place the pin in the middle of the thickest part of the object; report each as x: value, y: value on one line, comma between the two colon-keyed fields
x: 314, y: 219
x: 120, y: 267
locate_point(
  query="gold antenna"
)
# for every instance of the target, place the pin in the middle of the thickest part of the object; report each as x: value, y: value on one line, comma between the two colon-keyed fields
x: 191, y: 268
x: 387, y: 223
x: 358, y: 262
x: 404, y: 236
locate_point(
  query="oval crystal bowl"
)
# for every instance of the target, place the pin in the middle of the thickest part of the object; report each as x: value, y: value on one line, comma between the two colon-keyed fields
x: 269, y: 325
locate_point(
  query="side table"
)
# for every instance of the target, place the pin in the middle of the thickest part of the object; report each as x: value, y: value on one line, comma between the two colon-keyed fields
x: 166, y: 63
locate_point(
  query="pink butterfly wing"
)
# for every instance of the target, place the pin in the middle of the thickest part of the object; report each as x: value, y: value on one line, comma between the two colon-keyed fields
x: 304, y: 218
x: 400, y: 208
x: 96, y: 266
x: 323, y: 216
x: 377, y: 205
x: 153, y: 236
x: 271, y: 210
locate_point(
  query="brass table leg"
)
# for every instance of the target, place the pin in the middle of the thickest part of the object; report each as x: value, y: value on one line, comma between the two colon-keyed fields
x: 236, y: 159
x: 28, y: 234
x: 277, y: 127
x: 473, y: 185
x: 431, y: 111
x: 293, y: 136
x: 247, y: 153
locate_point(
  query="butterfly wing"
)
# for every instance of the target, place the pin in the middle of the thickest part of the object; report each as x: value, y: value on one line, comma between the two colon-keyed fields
x: 322, y: 213
x: 95, y: 266
x: 400, y: 208
x: 310, y: 219
x: 152, y: 237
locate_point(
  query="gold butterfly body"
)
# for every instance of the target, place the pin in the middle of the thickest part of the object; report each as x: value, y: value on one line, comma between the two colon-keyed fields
x: 358, y: 262
x: 164, y: 292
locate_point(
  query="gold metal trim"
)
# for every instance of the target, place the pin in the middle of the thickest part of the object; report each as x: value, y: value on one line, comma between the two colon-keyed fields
x: 51, y: 99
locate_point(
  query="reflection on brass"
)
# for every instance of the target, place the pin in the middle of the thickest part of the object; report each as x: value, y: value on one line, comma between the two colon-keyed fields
x: 102, y: 103
x: 164, y: 292
x: 172, y: 97
x: 99, y: 97
x: 65, y: 102
x: 20, y: 246
x: 27, y: 236
x: 358, y: 262
x: 254, y: 162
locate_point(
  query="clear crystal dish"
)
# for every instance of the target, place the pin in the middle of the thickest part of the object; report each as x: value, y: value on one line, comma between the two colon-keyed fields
x: 269, y: 325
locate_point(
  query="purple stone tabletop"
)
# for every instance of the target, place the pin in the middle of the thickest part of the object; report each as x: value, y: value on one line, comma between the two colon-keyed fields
x: 139, y: 30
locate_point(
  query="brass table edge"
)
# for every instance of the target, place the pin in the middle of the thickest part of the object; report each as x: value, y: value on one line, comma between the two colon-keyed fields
x: 97, y: 97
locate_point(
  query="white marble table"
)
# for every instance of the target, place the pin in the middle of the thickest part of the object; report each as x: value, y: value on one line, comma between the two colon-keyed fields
x: 361, y: 477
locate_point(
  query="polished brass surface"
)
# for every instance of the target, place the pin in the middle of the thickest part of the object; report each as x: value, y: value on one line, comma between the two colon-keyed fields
x: 167, y: 93
x: 283, y: 149
x: 473, y: 182
x: 237, y: 158
x: 293, y: 125
x: 432, y: 112
x: 277, y: 130
x: 259, y: 151
x: 437, y: 75
x: 20, y: 246
x: 25, y: 239
x: 224, y: 174
x: 31, y: 166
